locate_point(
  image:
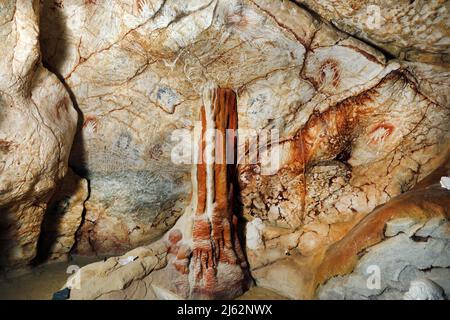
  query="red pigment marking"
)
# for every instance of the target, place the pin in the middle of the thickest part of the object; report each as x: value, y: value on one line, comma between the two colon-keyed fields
x: 90, y: 120
x: 140, y: 5
x: 175, y: 237
x: 387, y: 130
x: 5, y: 146
x: 332, y: 65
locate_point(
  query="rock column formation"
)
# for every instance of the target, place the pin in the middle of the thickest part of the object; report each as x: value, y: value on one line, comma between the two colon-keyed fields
x: 217, y: 258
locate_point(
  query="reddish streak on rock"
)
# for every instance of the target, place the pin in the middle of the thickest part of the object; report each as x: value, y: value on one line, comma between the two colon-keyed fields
x: 333, y: 65
x: 140, y: 4
x: 387, y: 129
x: 61, y: 105
x: 90, y: 119
x: 172, y: 245
x: 201, y: 170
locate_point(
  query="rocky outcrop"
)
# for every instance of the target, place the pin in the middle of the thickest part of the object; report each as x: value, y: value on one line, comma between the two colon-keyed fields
x: 411, y: 30
x: 386, y: 270
x: 325, y: 130
x: 398, y: 251
x: 119, y: 277
x: 37, y: 126
x: 63, y: 218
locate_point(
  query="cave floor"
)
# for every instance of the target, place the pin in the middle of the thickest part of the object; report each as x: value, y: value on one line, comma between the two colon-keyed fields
x: 40, y: 282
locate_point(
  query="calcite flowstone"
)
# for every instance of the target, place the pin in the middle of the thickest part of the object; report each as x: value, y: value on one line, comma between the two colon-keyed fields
x: 203, y: 255
x: 37, y: 126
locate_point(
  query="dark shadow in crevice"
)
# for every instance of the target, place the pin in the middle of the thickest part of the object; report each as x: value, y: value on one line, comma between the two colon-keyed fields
x: 77, y: 154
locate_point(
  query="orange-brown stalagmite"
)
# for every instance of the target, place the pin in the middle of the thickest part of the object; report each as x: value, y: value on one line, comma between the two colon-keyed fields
x: 217, y: 264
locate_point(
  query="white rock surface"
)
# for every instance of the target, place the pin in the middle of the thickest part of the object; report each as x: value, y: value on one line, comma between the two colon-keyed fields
x: 424, y: 289
x: 445, y: 182
x: 404, y: 262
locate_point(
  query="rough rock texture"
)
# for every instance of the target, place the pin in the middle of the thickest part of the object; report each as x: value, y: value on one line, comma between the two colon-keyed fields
x: 112, y: 280
x: 354, y: 129
x: 424, y: 289
x: 63, y: 218
x: 412, y: 30
x: 204, y: 259
x: 405, y: 256
x: 37, y: 126
x: 407, y: 240
x: 369, y: 132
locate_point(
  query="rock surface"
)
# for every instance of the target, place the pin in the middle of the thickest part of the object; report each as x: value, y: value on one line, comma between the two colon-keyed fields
x: 106, y: 280
x: 63, y: 218
x: 349, y: 131
x: 354, y: 129
x: 402, y: 243
x: 424, y: 289
x: 412, y: 30
x: 37, y: 126
x: 405, y: 242
x: 333, y: 99
x: 398, y: 261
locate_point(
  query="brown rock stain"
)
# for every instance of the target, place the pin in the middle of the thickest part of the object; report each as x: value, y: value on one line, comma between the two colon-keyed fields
x: 333, y: 66
x: 62, y: 105
x: 5, y: 146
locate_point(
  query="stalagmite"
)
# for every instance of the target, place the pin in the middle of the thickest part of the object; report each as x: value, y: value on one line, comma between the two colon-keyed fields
x: 217, y: 259
x: 212, y: 264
